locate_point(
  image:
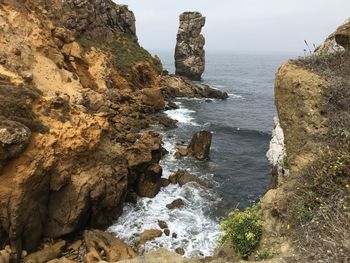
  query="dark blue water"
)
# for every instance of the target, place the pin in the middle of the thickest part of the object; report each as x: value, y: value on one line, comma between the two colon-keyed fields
x: 241, y: 125
x: 238, y: 169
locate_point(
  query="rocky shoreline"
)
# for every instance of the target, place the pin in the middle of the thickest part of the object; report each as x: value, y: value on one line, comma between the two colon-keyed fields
x: 72, y: 127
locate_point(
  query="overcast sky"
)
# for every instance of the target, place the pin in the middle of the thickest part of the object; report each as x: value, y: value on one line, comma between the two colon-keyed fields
x: 241, y: 25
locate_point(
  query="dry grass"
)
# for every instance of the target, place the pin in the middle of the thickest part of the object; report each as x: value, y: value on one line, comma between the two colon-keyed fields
x: 320, y: 205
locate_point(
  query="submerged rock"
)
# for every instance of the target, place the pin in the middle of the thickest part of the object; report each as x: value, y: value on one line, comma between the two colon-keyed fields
x: 200, y: 145
x: 183, y: 177
x: 189, y: 52
x: 176, y: 204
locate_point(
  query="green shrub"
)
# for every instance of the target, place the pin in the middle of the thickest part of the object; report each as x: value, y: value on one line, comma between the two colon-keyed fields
x: 243, y: 229
x: 263, y: 254
x: 127, y: 52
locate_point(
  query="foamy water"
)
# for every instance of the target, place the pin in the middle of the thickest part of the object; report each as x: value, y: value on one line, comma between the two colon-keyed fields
x: 196, y: 231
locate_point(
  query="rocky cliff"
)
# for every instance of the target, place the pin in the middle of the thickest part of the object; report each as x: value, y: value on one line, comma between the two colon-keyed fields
x: 307, y: 210
x: 76, y: 89
x: 189, y: 51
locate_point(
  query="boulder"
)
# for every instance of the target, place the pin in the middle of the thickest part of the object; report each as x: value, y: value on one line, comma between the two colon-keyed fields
x: 102, y: 245
x: 149, y: 183
x: 208, y: 92
x: 176, y: 204
x: 189, y: 51
x: 199, y: 146
x: 148, y: 235
x: 183, y: 177
x: 14, y: 137
x: 342, y: 35
x: 167, y: 122
x: 153, y: 97
x: 162, y: 224
x: 180, y: 251
x: 46, y: 254
x: 166, y: 232
x: 178, y: 86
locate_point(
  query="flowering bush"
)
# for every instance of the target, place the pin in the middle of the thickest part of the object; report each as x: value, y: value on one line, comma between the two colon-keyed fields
x: 243, y: 229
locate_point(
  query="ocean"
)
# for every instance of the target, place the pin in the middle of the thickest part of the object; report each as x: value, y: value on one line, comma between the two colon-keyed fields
x: 238, y: 170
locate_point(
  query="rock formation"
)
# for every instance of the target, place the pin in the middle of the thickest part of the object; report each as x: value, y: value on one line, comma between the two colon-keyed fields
x: 70, y: 108
x: 189, y: 51
x: 331, y: 45
x: 342, y: 35
x: 199, y: 146
x: 176, y: 86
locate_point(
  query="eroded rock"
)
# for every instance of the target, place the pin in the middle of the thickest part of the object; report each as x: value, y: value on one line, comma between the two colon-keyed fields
x: 189, y: 52
x: 199, y: 146
x: 342, y: 35
x: 102, y: 245
x: 46, y: 254
x: 150, y: 234
x: 176, y: 204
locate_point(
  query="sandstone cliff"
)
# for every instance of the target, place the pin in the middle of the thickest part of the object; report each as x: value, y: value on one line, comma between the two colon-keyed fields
x: 76, y: 89
x: 189, y: 51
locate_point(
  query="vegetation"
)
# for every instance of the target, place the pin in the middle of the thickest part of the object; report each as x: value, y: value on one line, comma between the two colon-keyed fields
x: 320, y: 210
x: 243, y: 229
x: 15, y: 104
x: 263, y: 254
x: 128, y: 52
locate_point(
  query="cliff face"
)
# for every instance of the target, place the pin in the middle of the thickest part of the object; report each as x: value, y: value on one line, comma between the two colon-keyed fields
x: 68, y: 115
x: 189, y: 51
x: 309, y: 206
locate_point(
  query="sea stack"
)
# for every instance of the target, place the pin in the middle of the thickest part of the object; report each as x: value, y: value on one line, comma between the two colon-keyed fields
x: 189, y: 51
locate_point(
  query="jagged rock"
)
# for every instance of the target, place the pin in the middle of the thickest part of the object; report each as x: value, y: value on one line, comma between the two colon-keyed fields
x: 342, y: 35
x: 46, y: 254
x: 148, y: 235
x: 330, y: 45
x: 189, y: 52
x: 199, y: 146
x: 209, y: 92
x: 102, y: 245
x: 162, y: 224
x: 153, y: 97
x: 14, y: 137
x: 166, y: 232
x: 167, y: 122
x: 96, y: 19
x: 277, y: 151
x: 149, y: 183
x: 178, y: 86
x: 181, y: 152
x: 143, y: 158
x: 183, y: 177
x: 180, y: 251
x: 175, y: 204
x: 164, y: 182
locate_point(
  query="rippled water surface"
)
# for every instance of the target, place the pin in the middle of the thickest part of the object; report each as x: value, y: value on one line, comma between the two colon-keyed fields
x: 237, y: 170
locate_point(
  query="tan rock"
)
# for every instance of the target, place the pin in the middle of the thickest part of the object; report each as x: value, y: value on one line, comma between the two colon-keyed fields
x: 48, y: 253
x: 153, y: 97
x: 103, y: 245
x: 199, y: 146
x: 148, y: 235
x: 342, y: 35
x: 176, y: 204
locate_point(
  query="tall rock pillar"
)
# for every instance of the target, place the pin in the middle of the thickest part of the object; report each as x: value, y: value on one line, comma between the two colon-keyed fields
x: 189, y: 51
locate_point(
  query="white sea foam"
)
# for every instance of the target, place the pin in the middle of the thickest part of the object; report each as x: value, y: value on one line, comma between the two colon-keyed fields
x: 182, y: 115
x: 196, y: 232
x: 235, y: 96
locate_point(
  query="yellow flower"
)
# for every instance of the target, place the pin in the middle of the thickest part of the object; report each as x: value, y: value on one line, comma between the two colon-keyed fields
x: 347, y: 186
x: 289, y: 226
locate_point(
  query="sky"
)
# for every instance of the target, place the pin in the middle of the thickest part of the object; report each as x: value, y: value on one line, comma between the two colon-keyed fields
x: 241, y: 25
